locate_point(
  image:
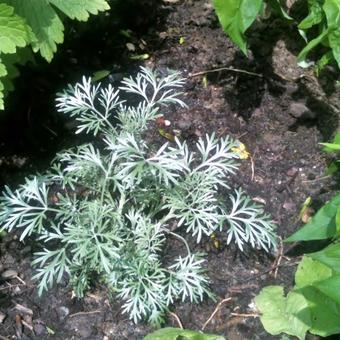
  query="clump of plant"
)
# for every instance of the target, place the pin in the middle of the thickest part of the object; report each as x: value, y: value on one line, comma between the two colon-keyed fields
x: 36, y: 24
x: 313, y: 305
x: 236, y: 16
x: 107, y: 208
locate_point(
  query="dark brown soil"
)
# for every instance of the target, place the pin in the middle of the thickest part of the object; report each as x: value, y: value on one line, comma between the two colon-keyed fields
x: 278, y: 110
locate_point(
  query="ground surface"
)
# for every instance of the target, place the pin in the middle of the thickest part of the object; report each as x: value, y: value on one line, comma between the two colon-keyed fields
x: 279, y: 111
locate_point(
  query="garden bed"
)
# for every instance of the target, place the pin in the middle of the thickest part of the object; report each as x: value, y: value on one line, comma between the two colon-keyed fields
x: 278, y: 110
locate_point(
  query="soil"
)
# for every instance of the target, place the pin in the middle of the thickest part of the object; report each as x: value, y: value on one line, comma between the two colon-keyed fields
x: 278, y: 110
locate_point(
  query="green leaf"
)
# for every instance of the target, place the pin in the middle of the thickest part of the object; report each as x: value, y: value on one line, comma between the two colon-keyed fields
x: 313, y: 43
x: 170, y: 333
x: 331, y: 147
x: 310, y: 271
x: 236, y: 16
x: 321, y: 226
x: 324, y: 60
x: 330, y: 256
x: 3, y: 73
x: 80, y: 9
x: 276, y: 5
x: 330, y: 287
x: 315, y: 15
x: 332, y: 11
x: 325, y: 313
x: 46, y: 26
x: 283, y: 314
x: 13, y: 30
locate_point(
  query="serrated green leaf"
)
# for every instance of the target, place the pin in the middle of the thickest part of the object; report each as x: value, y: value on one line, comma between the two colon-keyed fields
x: 321, y: 226
x: 80, y: 9
x: 3, y: 70
x: 170, y: 333
x: 236, y: 16
x: 45, y: 24
x: 330, y: 256
x: 310, y: 271
x: 14, y: 32
x: 283, y: 314
x: 325, y: 313
x: 1, y: 95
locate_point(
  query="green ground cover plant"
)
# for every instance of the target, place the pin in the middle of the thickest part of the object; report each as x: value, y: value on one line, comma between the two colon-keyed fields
x: 36, y: 24
x: 314, y: 303
x: 236, y: 16
x: 106, y: 209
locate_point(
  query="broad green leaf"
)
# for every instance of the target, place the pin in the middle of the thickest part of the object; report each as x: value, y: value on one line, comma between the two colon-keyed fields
x: 330, y: 287
x: 283, y: 314
x: 14, y: 32
x: 321, y: 226
x: 330, y: 256
x: 310, y: 271
x: 337, y: 222
x: 332, y: 11
x: 236, y: 16
x: 325, y: 313
x: 80, y: 9
x: 313, y: 43
x: 315, y: 15
x: 170, y: 333
x: 44, y: 22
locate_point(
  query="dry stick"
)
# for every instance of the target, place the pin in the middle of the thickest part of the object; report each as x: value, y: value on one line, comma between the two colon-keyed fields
x: 191, y: 75
x: 85, y: 313
x: 215, y: 311
x: 178, y: 320
x: 252, y: 168
x: 278, y: 259
x: 253, y: 315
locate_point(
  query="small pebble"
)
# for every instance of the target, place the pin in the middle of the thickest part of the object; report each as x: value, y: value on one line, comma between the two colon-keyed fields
x: 9, y: 274
x: 2, y: 317
x: 292, y: 172
x: 63, y: 312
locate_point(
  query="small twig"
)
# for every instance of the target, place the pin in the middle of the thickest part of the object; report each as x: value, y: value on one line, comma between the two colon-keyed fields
x: 13, y: 286
x: 251, y: 315
x: 316, y: 179
x: 27, y: 325
x: 215, y: 311
x: 178, y: 320
x: 252, y: 168
x: 191, y: 75
x: 278, y: 259
x: 85, y: 313
x: 20, y: 279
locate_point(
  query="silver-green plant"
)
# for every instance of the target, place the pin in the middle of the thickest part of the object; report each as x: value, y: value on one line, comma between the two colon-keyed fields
x: 105, y: 209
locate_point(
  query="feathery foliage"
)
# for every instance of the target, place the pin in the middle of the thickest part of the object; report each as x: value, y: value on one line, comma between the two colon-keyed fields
x: 108, y: 208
